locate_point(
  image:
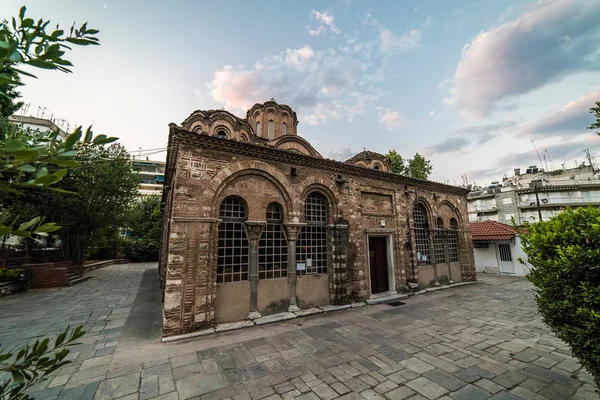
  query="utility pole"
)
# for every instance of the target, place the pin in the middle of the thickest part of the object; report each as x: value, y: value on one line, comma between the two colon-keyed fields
x: 536, y: 186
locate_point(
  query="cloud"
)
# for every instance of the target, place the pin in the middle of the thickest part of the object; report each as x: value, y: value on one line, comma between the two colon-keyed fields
x: 326, y: 20
x: 391, y: 119
x: 564, y: 152
x: 341, y: 155
x: 572, y: 119
x: 551, y: 40
x: 321, y: 84
x: 390, y: 43
x: 467, y: 136
x: 368, y: 20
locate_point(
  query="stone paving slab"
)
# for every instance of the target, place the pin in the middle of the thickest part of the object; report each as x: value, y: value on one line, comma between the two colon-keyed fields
x: 478, y: 341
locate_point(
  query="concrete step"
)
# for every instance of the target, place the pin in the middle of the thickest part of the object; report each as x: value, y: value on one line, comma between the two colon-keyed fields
x: 75, y: 281
x: 385, y: 299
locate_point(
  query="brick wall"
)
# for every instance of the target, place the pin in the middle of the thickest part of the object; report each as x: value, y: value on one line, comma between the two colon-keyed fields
x: 363, y: 205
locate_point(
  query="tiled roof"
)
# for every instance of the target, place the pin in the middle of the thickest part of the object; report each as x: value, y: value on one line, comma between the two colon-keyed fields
x: 491, y: 230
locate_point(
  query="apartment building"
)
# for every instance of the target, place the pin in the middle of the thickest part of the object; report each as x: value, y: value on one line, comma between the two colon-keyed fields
x: 152, y: 176
x: 535, y: 194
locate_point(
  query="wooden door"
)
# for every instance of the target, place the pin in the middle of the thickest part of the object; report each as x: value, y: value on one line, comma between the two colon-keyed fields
x: 378, y: 264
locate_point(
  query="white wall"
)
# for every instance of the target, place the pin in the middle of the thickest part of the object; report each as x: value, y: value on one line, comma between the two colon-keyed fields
x: 488, y: 259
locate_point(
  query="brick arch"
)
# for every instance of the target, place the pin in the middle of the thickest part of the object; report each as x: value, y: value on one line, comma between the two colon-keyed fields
x: 454, y: 209
x: 431, y: 218
x: 223, y: 177
x: 314, y: 184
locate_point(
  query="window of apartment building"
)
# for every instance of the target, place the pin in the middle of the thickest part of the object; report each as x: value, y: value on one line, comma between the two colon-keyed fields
x: 232, y: 260
x: 311, y: 247
x: 452, y: 241
x: 272, y: 247
x: 438, y: 242
x: 421, y: 227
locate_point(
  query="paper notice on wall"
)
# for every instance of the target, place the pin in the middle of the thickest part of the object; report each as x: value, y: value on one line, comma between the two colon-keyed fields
x: 309, y: 262
x: 300, y: 266
x: 418, y: 255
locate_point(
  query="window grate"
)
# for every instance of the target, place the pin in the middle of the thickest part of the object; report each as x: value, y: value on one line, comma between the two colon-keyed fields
x: 453, y: 241
x: 438, y: 243
x: 258, y: 129
x: 504, y: 251
x: 421, y: 235
x: 311, y: 249
x: 315, y: 209
x: 284, y: 128
x: 272, y: 247
x: 233, y: 247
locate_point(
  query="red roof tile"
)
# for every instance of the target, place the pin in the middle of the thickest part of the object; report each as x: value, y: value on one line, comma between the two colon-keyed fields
x: 491, y: 230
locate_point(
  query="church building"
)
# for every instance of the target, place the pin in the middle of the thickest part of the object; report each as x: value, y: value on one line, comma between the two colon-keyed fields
x: 257, y: 222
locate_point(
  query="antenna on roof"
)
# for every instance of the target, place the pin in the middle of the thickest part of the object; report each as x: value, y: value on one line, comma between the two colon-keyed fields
x: 538, y: 154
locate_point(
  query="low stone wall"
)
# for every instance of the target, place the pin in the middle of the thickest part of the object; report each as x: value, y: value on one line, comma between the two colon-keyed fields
x: 48, y: 275
x: 7, y: 288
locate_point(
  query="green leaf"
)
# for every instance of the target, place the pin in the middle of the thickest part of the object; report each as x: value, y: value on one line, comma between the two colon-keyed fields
x: 88, y: 135
x: 47, y: 227
x: 42, y: 172
x: 26, y: 168
x: 26, y: 225
x: 70, y: 153
x: 63, y: 163
x: 46, y: 180
x: 60, y: 173
x: 99, y: 139
x: 22, y: 12
x: 72, y: 139
x: 41, y: 64
x: 13, y: 145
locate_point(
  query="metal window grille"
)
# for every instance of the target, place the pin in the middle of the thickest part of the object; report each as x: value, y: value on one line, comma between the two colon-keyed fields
x: 311, y: 247
x: 258, y: 128
x: 438, y: 243
x: 284, y: 128
x: 232, y: 260
x: 421, y: 235
x: 272, y: 247
x: 453, y: 241
x: 504, y: 251
x: 271, y: 129
x: 315, y: 209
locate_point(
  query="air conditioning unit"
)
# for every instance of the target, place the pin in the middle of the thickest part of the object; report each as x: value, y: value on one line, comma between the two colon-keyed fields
x: 532, y: 203
x: 545, y: 201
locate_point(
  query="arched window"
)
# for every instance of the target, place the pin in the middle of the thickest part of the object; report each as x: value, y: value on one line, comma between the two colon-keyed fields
x: 258, y: 128
x: 311, y: 247
x: 232, y: 261
x: 453, y: 241
x: 421, y: 234
x: 221, y: 134
x: 271, y: 129
x: 284, y: 128
x: 272, y: 247
x: 377, y: 167
x: 438, y: 242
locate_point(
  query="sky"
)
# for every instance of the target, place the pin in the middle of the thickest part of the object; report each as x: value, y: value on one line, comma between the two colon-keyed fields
x: 469, y: 84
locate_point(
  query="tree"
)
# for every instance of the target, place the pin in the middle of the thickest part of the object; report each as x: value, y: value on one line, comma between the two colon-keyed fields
x: 564, y: 255
x: 144, y: 232
x: 596, y: 112
x: 27, y: 161
x: 106, y: 186
x: 397, y: 162
x: 418, y: 167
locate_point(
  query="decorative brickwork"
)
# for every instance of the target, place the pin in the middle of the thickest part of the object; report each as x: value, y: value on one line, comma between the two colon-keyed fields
x: 360, y: 202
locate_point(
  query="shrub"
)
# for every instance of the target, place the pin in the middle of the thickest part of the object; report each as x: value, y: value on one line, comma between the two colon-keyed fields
x: 9, y: 275
x: 564, y: 254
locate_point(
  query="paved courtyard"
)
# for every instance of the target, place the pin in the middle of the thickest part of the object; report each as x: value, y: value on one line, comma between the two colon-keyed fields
x: 478, y: 341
